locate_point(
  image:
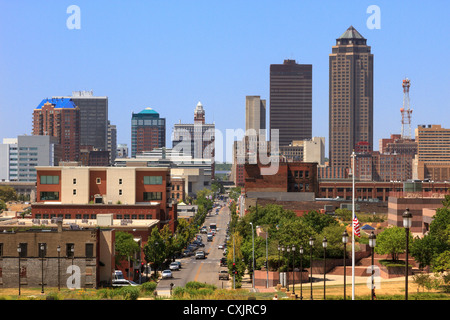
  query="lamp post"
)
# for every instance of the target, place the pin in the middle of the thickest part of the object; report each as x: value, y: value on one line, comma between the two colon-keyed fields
x: 345, y: 241
x: 311, y: 243
x: 59, y: 267
x: 293, y: 266
x: 19, y: 250
x: 324, y: 244
x: 72, y: 250
x: 407, y: 222
x: 279, y: 276
x: 372, y: 243
x: 253, y: 259
x: 42, y: 247
x: 301, y: 272
x: 288, y: 249
x: 284, y: 278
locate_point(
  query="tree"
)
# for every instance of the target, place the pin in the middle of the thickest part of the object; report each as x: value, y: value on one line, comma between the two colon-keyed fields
x: 442, y: 262
x: 318, y: 221
x: 3, y: 206
x: 424, y: 250
x: 392, y: 241
x: 125, y: 247
x: 7, y: 193
x: 154, y: 250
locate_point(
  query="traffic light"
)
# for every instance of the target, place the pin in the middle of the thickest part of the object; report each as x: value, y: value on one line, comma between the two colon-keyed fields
x: 142, y: 267
x: 233, y: 270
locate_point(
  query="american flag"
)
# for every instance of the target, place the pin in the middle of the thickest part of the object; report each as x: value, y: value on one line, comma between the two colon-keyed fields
x: 356, y: 226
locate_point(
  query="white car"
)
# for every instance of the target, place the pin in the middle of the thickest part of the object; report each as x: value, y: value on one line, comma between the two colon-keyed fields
x: 167, y: 274
x: 123, y: 283
x: 174, y: 266
x: 220, y: 246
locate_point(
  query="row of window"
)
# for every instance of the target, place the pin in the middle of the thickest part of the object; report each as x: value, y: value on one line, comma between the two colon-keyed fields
x: 68, y: 251
x: 88, y: 216
x: 54, y: 195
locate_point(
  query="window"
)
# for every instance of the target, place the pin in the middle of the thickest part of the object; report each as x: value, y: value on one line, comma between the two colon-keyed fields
x: 1, y: 249
x: 69, y: 248
x: 120, y: 192
x: 23, y: 250
x: 153, y: 180
x: 74, y: 181
x: 89, y: 250
x: 49, y: 179
x: 120, y: 181
x: 49, y: 195
x: 98, y: 180
x: 148, y: 196
x: 74, y: 192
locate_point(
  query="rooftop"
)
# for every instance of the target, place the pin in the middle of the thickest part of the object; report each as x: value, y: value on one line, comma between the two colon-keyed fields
x: 58, y: 103
x: 351, y: 33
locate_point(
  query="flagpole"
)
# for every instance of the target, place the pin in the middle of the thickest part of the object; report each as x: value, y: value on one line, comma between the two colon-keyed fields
x: 353, y: 225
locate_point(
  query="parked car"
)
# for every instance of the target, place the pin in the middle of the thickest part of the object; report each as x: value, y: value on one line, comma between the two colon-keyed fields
x: 123, y: 283
x: 200, y: 255
x: 167, y: 274
x: 187, y: 253
x: 179, y: 264
x: 223, y: 262
x: 220, y: 246
x: 174, y: 266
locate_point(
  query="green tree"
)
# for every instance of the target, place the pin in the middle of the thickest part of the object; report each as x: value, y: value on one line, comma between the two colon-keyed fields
x: 3, y: 206
x: 442, y: 262
x: 424, y: 250
x: 7, y: 193
x: 318, y: 221
x: 125, y: 247
x: 343, y: 214
x: 392, y: 241
x: 155, y: 249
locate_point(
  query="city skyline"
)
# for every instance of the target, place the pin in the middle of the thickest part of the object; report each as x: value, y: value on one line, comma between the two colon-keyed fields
x: 169, y: 56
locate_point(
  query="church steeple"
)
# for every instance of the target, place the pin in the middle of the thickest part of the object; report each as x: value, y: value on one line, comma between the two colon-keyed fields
x: 199, y: 113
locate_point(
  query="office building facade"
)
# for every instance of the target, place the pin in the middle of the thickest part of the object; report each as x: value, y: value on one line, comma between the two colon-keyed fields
x: 350, y: 98
x: 148, y: 131
x: 291, y: 101
x: 60, y: 118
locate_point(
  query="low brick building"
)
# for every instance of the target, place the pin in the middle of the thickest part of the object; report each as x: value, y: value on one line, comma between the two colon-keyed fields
x: 92, y: 258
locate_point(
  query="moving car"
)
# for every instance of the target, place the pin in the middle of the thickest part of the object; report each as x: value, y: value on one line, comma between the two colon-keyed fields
x: 224, y: 275
x: 174, y: 266
x: 167, y: 274
x: 210, y: 237
x: 200, y: 255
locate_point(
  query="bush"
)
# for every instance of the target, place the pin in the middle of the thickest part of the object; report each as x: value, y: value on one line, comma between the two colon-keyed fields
x: 129, y: 292
x: 148, y: 287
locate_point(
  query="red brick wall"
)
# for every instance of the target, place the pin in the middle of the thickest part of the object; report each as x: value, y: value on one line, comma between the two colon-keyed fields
x: 95, y: 188
x: 47, y: 187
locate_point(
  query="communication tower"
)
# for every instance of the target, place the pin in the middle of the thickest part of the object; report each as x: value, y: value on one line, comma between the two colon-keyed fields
x: 406, y: 111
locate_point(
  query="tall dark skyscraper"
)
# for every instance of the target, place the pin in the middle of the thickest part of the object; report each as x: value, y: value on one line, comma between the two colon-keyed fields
x: 93, y: 119
x: 148, y: 131
x: 350, y: 98
x: 291, y: 101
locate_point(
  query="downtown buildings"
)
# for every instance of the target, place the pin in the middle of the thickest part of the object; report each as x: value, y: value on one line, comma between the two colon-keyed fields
x: 148, y: 131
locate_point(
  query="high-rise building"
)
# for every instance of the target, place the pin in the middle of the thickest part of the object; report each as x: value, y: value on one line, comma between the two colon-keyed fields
x: 60, y: 118
x: 112, y: 142
x: 8, y: 159
x: 93, y: 118
x: 255, y: 114
x: 291, y: 101
x: 350, y: 98
x: 433, y: 153
x: 148, y: 131
x: 196, y: 139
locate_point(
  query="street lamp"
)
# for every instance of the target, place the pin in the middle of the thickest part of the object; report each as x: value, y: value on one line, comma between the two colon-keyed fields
x: 345, y: 241
x: 301, y: 272
x: 59, y: 267
x: 324, y: 244
x: 311, y: 244
x: 284, y: 278
x: 42, y: 247
x: 279, y: 277
x: 253, y: 258
x: 372, y: 244
x: 288, y: 249
x: 293, y: 266
x: 407, y: 222
x: 19, y: 250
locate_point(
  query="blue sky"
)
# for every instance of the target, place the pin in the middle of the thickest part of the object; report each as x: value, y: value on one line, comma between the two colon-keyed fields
x: 169, y: 55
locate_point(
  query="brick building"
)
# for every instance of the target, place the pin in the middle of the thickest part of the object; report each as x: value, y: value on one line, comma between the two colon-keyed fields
x: 59, y: 118
x: 290, y: 177
x: 92, y: 256
x: 84, y: 192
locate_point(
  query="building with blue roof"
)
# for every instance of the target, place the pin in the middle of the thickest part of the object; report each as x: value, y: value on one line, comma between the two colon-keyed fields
x: 148, y: 131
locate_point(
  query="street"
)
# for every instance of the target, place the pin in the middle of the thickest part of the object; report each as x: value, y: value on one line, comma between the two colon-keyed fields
x: 202, y: 270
